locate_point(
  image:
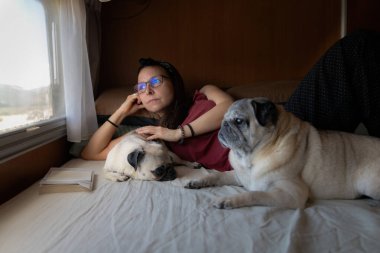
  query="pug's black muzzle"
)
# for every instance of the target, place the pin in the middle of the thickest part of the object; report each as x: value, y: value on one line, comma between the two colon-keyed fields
x: 223, y: 134
x: 165, y: 173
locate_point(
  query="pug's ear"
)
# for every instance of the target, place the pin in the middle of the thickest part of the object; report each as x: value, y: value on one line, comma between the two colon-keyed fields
x: 135, y: 157
x: 265, y: 112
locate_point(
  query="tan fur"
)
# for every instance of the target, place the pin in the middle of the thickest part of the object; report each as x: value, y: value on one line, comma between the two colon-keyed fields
x: 292, y: 161
x: 156, y: 154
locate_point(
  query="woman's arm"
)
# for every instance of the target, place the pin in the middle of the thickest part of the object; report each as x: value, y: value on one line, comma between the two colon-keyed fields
x: 101, y: 142
x: 212, y: 119
x: 208, y: 122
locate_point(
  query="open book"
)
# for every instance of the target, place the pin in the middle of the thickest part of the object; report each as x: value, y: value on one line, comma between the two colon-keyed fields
x: 67, y: 180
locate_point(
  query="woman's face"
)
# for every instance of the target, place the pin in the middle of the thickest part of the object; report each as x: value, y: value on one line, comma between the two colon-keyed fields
x: 155, y: 99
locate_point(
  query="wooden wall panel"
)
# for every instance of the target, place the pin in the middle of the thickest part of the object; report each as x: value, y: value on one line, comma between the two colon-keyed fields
x: 224, y: 42
x: 363, y: 14
x: 22, y: 171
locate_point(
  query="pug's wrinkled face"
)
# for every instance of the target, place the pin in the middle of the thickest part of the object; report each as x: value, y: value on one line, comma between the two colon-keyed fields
x: 246, y: 123
x: 134, y: 157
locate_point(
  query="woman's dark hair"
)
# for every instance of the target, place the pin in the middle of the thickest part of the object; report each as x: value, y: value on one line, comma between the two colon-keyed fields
x: 177, y: 111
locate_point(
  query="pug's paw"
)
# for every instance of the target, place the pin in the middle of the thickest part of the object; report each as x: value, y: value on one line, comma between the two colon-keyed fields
x: 196, y: 165
x: 197, y: 184
x: 115, y: 176
x: 225, y: 203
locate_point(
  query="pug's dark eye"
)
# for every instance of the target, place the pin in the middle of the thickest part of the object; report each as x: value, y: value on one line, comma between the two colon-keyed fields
x: 239, y: 121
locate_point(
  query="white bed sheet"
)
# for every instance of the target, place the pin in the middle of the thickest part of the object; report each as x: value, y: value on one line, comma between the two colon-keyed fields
x: 141, y: 216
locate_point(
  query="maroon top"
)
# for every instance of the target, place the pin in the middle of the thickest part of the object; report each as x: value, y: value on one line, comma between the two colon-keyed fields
x: 206, y: 148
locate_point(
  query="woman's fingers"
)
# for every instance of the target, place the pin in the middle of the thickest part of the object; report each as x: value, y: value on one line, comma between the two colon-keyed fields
x: 158, y: 132
x: 132, y: 104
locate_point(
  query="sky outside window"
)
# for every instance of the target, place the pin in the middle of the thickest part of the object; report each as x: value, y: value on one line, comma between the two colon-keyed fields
x: 23, y: 44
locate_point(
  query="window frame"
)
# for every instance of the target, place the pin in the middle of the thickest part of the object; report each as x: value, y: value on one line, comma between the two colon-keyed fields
x: 25, y: 139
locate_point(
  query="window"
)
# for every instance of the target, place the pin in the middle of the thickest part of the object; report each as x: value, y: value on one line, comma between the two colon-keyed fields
x: 31, y: 97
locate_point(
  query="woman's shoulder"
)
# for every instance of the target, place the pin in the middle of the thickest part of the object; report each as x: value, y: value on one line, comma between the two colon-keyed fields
x: 210, y: 88
x: 216, y: 94
x: 206, y: 92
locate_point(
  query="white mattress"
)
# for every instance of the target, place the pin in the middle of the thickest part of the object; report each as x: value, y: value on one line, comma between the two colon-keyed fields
x: 141, y: 216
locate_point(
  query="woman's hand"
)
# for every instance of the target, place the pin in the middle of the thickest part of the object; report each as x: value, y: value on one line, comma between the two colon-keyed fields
x: 131, y: 105
x: 101, y: 141
x: 158, y: 132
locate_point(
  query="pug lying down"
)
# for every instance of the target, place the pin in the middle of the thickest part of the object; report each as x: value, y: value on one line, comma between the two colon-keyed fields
x: 136, y: 158
x: 283, y: 161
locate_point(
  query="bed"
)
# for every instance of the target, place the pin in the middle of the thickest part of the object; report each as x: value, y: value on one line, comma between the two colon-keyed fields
x: 145, y: 216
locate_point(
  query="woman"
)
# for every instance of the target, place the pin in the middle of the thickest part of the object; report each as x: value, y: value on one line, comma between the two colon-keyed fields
x: 341, y: 91
x: 189, y: 128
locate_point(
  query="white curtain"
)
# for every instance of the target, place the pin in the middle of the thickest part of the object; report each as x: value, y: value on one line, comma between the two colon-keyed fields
x: 79, y: 99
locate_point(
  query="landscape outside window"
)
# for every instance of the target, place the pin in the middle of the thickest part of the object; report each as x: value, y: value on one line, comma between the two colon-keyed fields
x: 27, y: 78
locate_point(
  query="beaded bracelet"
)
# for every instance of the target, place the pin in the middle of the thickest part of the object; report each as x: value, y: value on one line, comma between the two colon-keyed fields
x: 182, y: 134
x: 191, y: 130
x: 109, y: 121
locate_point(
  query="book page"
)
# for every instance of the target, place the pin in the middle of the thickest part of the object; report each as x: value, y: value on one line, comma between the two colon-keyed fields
x: 67, y: 176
